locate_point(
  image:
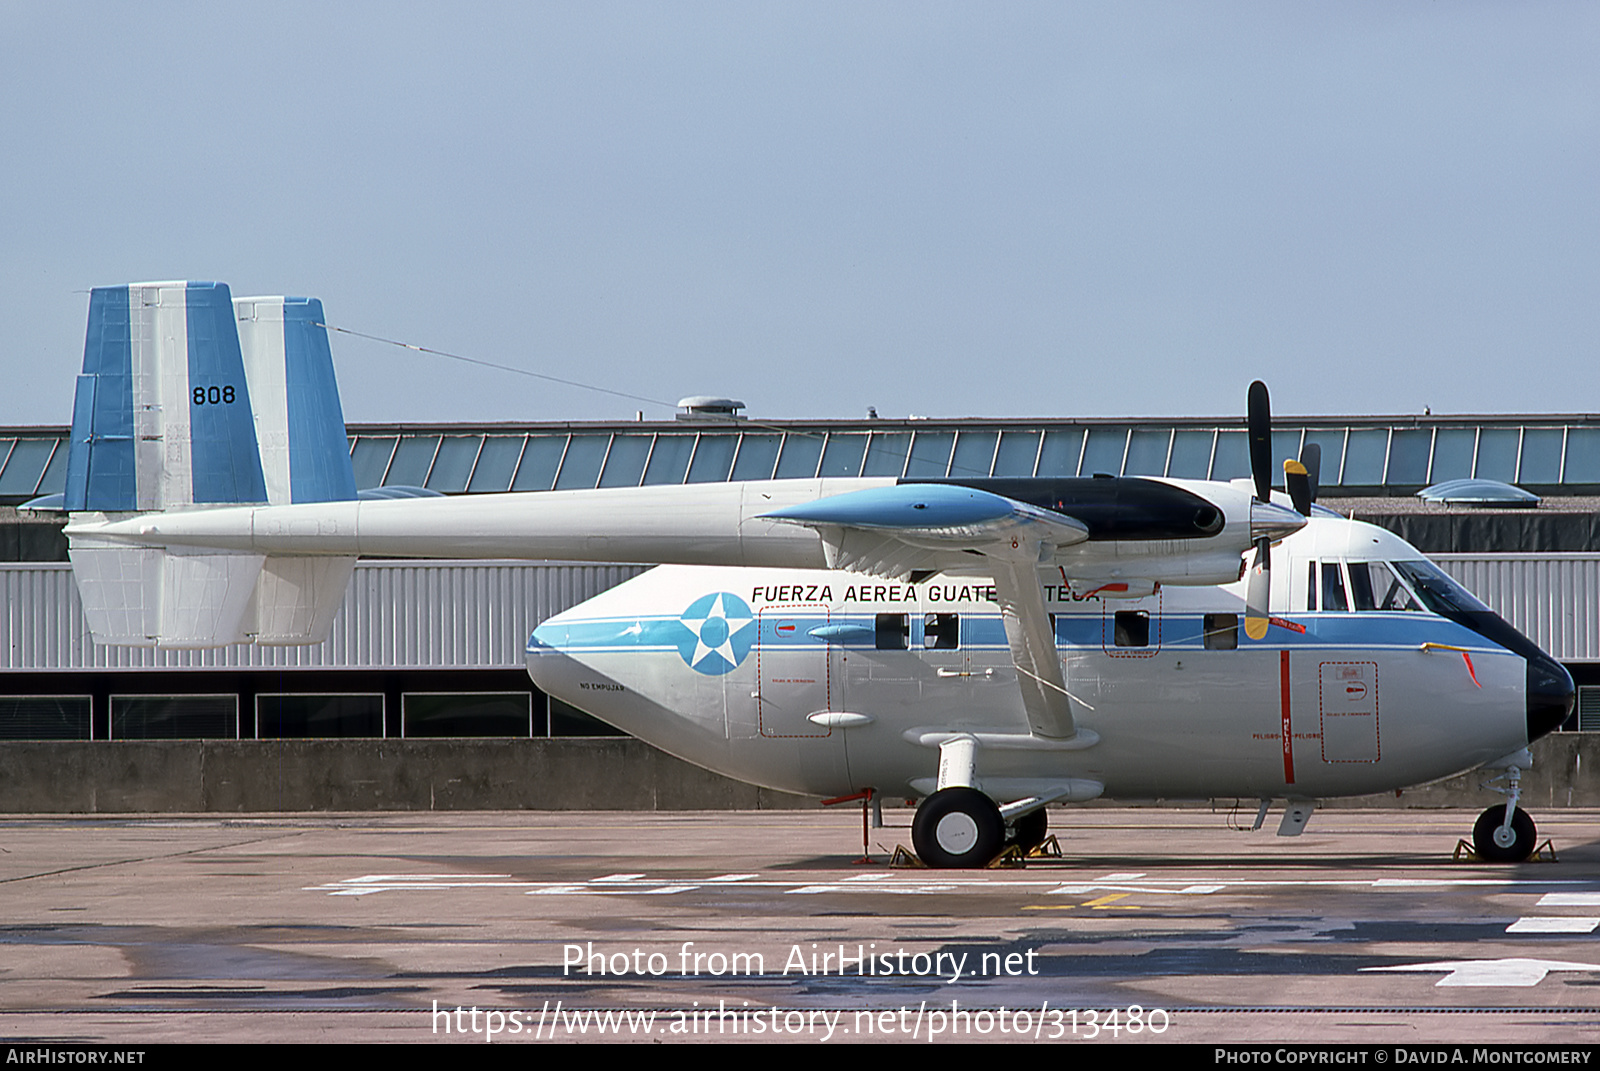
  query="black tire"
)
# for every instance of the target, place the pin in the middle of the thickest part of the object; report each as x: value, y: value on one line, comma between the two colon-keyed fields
x: 1029, y: 831
x: 958, y: 827
x: 1496, y: 850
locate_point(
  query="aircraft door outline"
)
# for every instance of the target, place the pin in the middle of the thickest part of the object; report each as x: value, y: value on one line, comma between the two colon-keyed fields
x: 788, y: 661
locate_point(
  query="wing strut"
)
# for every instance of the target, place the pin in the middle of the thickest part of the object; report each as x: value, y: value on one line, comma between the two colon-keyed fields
x: 1033, y: 650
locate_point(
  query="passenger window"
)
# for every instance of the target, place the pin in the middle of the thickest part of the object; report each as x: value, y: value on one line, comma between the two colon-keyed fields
x: 1222, y: 632
x: 941, y: 632
x: 1333, y: 587
x: 1132, y: 628
x: 893, y: 632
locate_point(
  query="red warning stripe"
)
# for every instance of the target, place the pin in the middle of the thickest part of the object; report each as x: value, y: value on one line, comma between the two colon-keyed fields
x: 1288, y: 735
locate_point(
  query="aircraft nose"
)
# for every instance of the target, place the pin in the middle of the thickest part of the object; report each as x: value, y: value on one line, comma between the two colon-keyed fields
x: 1550, y: 695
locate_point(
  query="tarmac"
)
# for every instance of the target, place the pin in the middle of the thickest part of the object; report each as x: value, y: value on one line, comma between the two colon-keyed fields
x: 1154, y: 925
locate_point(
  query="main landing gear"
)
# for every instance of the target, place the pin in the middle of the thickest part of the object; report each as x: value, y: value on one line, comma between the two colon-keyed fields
x: 958, y: 827
x: 962, y: 827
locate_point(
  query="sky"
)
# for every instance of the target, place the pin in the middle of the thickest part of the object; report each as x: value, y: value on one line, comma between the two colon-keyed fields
x: 940, y: 209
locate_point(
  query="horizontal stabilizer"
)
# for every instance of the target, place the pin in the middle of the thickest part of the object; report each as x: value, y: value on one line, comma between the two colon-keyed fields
x: 180, y: 598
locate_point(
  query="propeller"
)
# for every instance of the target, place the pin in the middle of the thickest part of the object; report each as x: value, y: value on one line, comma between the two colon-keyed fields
x: 1300, y: 478
x: 1269, y: 521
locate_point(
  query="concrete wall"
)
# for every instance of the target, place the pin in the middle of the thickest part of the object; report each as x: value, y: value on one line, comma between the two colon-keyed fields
x: 190, y: 776
x: 196, y: 776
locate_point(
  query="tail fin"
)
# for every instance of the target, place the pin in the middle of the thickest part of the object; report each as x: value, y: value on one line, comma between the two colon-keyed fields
x: 189, y: 398
x: 299, y: 424
x: 161, y: 417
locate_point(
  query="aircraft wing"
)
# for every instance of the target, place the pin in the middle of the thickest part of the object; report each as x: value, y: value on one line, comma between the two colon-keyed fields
x: 893, y: 530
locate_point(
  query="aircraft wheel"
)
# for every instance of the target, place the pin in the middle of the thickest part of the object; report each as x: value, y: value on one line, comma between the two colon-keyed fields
x: 1497, y: 845
x: 958, y: 827
x: 1029, y: 831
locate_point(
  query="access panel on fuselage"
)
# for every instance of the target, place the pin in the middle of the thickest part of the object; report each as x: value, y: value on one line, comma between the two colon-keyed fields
x: 794, y: 669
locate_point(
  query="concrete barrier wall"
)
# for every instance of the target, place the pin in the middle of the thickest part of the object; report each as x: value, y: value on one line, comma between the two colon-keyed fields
x: 618, y: 773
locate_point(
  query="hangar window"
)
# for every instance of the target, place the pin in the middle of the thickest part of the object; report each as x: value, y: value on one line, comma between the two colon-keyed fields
x: 886, y: 454
x: 453, y: 465
x: 44, y: 717
x: 713, y: 457
x: 1191, y: 455
x: 941, y: 632
x: 540, y: 459
x: 412, y: 460
x: 466, y: 714
x: 1018, y: 453
x: 1061, y: 452
x: 496, y: 462
x: 974, y: 455
x: 669, y: 460
x: 283, y: 716
x: 624, y: 461
x: 174, y: 717
x: 930, y: 454
x: 801, y: 453
x: 757, y: 455
x: 370, y: 460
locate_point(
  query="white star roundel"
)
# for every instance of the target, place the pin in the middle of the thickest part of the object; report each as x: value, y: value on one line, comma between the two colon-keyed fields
x: 721, y: 632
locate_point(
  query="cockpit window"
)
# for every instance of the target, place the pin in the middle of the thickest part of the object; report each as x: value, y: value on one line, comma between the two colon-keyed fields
x: 1437, y: 590
x: 1333, y: 587
x: 1375, y: 587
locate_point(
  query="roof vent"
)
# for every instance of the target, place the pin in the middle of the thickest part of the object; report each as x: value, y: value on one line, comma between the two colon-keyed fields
x: 706, y: 407
x: 1479, y: 493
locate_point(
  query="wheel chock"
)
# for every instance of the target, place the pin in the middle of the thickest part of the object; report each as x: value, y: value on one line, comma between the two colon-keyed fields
x: 1011, y: 858
x: 904, y: 859
x: 1050, y: 849
x: 1466, y: 853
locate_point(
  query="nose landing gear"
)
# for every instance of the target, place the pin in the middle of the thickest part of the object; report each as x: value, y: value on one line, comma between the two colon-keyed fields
x: 1505, y: 833
x: 1498, y: 841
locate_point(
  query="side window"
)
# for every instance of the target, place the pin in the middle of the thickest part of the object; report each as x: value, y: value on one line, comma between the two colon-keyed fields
x: 893, y: 632
x: 1333, y: 587
x: 1311, y: 587
x: 941, y: 632
x: 1132, y: 628
x: 1222, y: 632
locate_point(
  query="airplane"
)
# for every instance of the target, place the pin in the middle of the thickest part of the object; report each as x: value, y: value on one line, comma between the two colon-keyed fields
x: 989, y: 646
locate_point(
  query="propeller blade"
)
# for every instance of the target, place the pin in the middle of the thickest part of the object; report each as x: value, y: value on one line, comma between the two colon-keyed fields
x: 1298, y: 481
x: 1258, y: 421
x: 1311, y: 458
x: 1258, y: 593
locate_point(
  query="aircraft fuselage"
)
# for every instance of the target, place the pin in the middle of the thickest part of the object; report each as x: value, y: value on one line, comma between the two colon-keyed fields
x: 826, y: 682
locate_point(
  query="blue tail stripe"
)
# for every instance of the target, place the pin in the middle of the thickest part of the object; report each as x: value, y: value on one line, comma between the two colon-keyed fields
x: 319, y: 447
x: 222, y: 437
x: 100, y: 458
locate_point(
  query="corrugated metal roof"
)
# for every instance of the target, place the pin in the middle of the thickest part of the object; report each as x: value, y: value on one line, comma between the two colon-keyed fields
x: 411, y: 615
